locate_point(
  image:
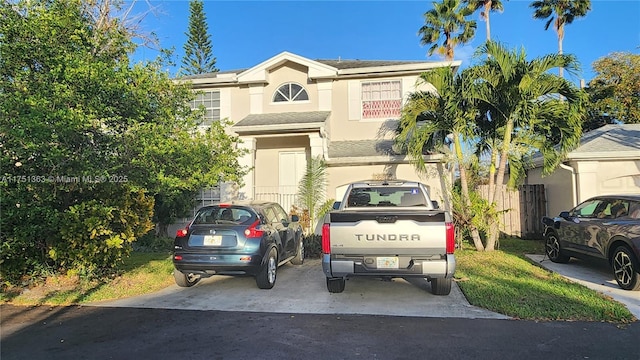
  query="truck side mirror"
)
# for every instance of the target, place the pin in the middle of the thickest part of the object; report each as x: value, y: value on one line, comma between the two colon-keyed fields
x: 336, y: 205
x: 435, y: 204
x: 295, y: 218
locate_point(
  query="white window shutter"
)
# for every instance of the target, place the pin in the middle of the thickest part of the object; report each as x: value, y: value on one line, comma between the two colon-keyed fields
x: 355, y: 111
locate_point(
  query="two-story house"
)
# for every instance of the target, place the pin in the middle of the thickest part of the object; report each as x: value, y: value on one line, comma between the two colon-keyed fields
x: 289, y: 109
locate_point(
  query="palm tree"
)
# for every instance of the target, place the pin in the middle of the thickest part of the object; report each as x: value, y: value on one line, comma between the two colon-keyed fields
x: 447, y: 18
x: 487, y: 6
x: 525, y: 109
x: 430, y: 119
x: 560, y: 12
x: 312, y: 190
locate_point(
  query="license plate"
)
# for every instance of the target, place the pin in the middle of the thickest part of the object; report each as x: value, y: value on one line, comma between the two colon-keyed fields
x: 387, y: 262
x: 212, y: 240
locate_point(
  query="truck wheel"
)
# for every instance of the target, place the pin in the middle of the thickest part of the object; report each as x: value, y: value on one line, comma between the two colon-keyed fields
x: 266, y: 278
x: 185, y: 280
x: 299, y: 258
x: 335, y: 285
x: 440, y: 286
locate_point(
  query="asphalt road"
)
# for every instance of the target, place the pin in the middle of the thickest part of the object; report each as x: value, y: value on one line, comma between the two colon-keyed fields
x: 230, y: 318
x: 135, y: 333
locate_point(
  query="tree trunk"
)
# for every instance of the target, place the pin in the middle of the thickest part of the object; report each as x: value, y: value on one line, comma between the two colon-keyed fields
x: 464, y: 186
x: 494, y: 228
x: 163, y: 230
x: 560, y: 30
x: 487, y: 8
x: 492, y: 171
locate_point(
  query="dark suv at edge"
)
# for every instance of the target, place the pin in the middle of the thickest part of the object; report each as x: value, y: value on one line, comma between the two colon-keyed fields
x: 237, y: 238
x: 606, y: 227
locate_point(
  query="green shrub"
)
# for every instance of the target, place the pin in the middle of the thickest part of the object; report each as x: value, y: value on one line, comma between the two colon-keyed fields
x: 97, y: 235
x: 152, y: 243
x: 312, y: 246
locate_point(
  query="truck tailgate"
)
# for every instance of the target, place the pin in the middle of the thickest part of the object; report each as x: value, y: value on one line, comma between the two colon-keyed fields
x: 380, y: 232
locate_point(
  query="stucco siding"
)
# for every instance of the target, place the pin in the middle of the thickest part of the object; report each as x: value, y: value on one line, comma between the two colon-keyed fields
x: 609, y: 177
x: 558, y: 188
x: 268, y: 153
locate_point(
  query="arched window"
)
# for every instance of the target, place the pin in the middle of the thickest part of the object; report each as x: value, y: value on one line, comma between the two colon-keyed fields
x: 290, y: 92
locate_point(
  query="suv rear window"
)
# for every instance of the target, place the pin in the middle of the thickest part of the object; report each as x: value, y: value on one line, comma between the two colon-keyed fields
x: 224, y: 215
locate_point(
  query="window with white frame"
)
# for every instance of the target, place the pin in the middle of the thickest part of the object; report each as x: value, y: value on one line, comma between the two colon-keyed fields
x: 210, y: 100
x: 381, y: 99
x: 290, y: 92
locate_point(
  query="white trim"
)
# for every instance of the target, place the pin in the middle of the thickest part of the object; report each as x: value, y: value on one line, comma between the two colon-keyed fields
x: 377, y: 160
x: 413, y: 67
x: 260, y: 73
x: 604, y: 155
x: 278, y: 127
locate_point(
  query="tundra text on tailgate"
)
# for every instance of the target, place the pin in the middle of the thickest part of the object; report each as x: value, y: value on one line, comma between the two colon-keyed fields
x: 388, y: 229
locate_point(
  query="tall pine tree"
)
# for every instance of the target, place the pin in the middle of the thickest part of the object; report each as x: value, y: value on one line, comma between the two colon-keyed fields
x: 198, y: 57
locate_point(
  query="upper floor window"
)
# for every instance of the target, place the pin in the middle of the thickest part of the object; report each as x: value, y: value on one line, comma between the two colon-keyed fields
x: 290, y: 92
x: 210, y: 100
x: 381, y: 99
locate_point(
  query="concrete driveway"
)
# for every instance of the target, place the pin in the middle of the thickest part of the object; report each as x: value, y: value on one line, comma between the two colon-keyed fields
x: 595, y: 275
x: 302, y: 290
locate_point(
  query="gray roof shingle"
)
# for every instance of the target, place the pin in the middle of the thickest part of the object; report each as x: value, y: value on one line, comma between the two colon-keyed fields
x: 361, y: 148
x: 610, y: 138
x: 283, y: 118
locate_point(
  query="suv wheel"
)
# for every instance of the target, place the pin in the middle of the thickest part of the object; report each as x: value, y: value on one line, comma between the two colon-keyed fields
x: 553, y: 250
x: 266, y: 278
x: 625, y: 269
x: 335, y: 285
x: 185, y: 280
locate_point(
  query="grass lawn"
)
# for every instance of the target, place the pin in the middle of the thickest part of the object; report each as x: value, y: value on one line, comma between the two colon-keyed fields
x: 504, y: 281
x: 507, y: 282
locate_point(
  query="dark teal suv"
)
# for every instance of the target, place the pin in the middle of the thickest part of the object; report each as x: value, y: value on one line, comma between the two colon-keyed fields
x: 237, y: 238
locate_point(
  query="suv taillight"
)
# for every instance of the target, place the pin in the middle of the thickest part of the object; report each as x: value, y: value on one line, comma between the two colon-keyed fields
x: 182, y: 232
x: 326, y: 239
x: 451, y: 238
x: 252, y: 231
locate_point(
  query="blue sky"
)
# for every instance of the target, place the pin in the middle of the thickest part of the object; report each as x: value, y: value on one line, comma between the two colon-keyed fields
x: 245, y: 33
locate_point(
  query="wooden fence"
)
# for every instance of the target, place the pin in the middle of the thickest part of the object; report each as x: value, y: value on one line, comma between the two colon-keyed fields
x: 524, y: 207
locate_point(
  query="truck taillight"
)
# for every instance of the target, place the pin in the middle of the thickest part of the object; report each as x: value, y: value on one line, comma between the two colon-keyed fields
x: 451, y: 238
x: 326, y: 239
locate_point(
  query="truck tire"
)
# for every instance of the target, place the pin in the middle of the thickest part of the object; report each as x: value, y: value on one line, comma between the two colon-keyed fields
x: 440, y: 286
x: 185, y: 280
x: 335, y: 285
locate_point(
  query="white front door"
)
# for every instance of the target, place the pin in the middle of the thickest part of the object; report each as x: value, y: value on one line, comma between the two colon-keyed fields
x: 291, y: 168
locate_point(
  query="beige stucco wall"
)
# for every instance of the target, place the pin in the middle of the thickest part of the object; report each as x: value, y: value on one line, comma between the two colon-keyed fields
x: 557, y: 187
x: 345, y: 128
x: 267, y: 156
x: 602, y: 177
x: 607, y: 177
x: 284, y: 74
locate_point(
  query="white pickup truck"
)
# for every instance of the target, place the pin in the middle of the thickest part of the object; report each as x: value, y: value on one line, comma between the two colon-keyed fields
x: 388, y: 229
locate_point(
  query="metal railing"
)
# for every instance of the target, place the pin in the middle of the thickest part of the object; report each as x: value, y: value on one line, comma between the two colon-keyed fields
x: 286, y: 196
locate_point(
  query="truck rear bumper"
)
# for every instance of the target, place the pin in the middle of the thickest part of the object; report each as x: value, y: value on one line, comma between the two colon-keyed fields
x: 342, y: 268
